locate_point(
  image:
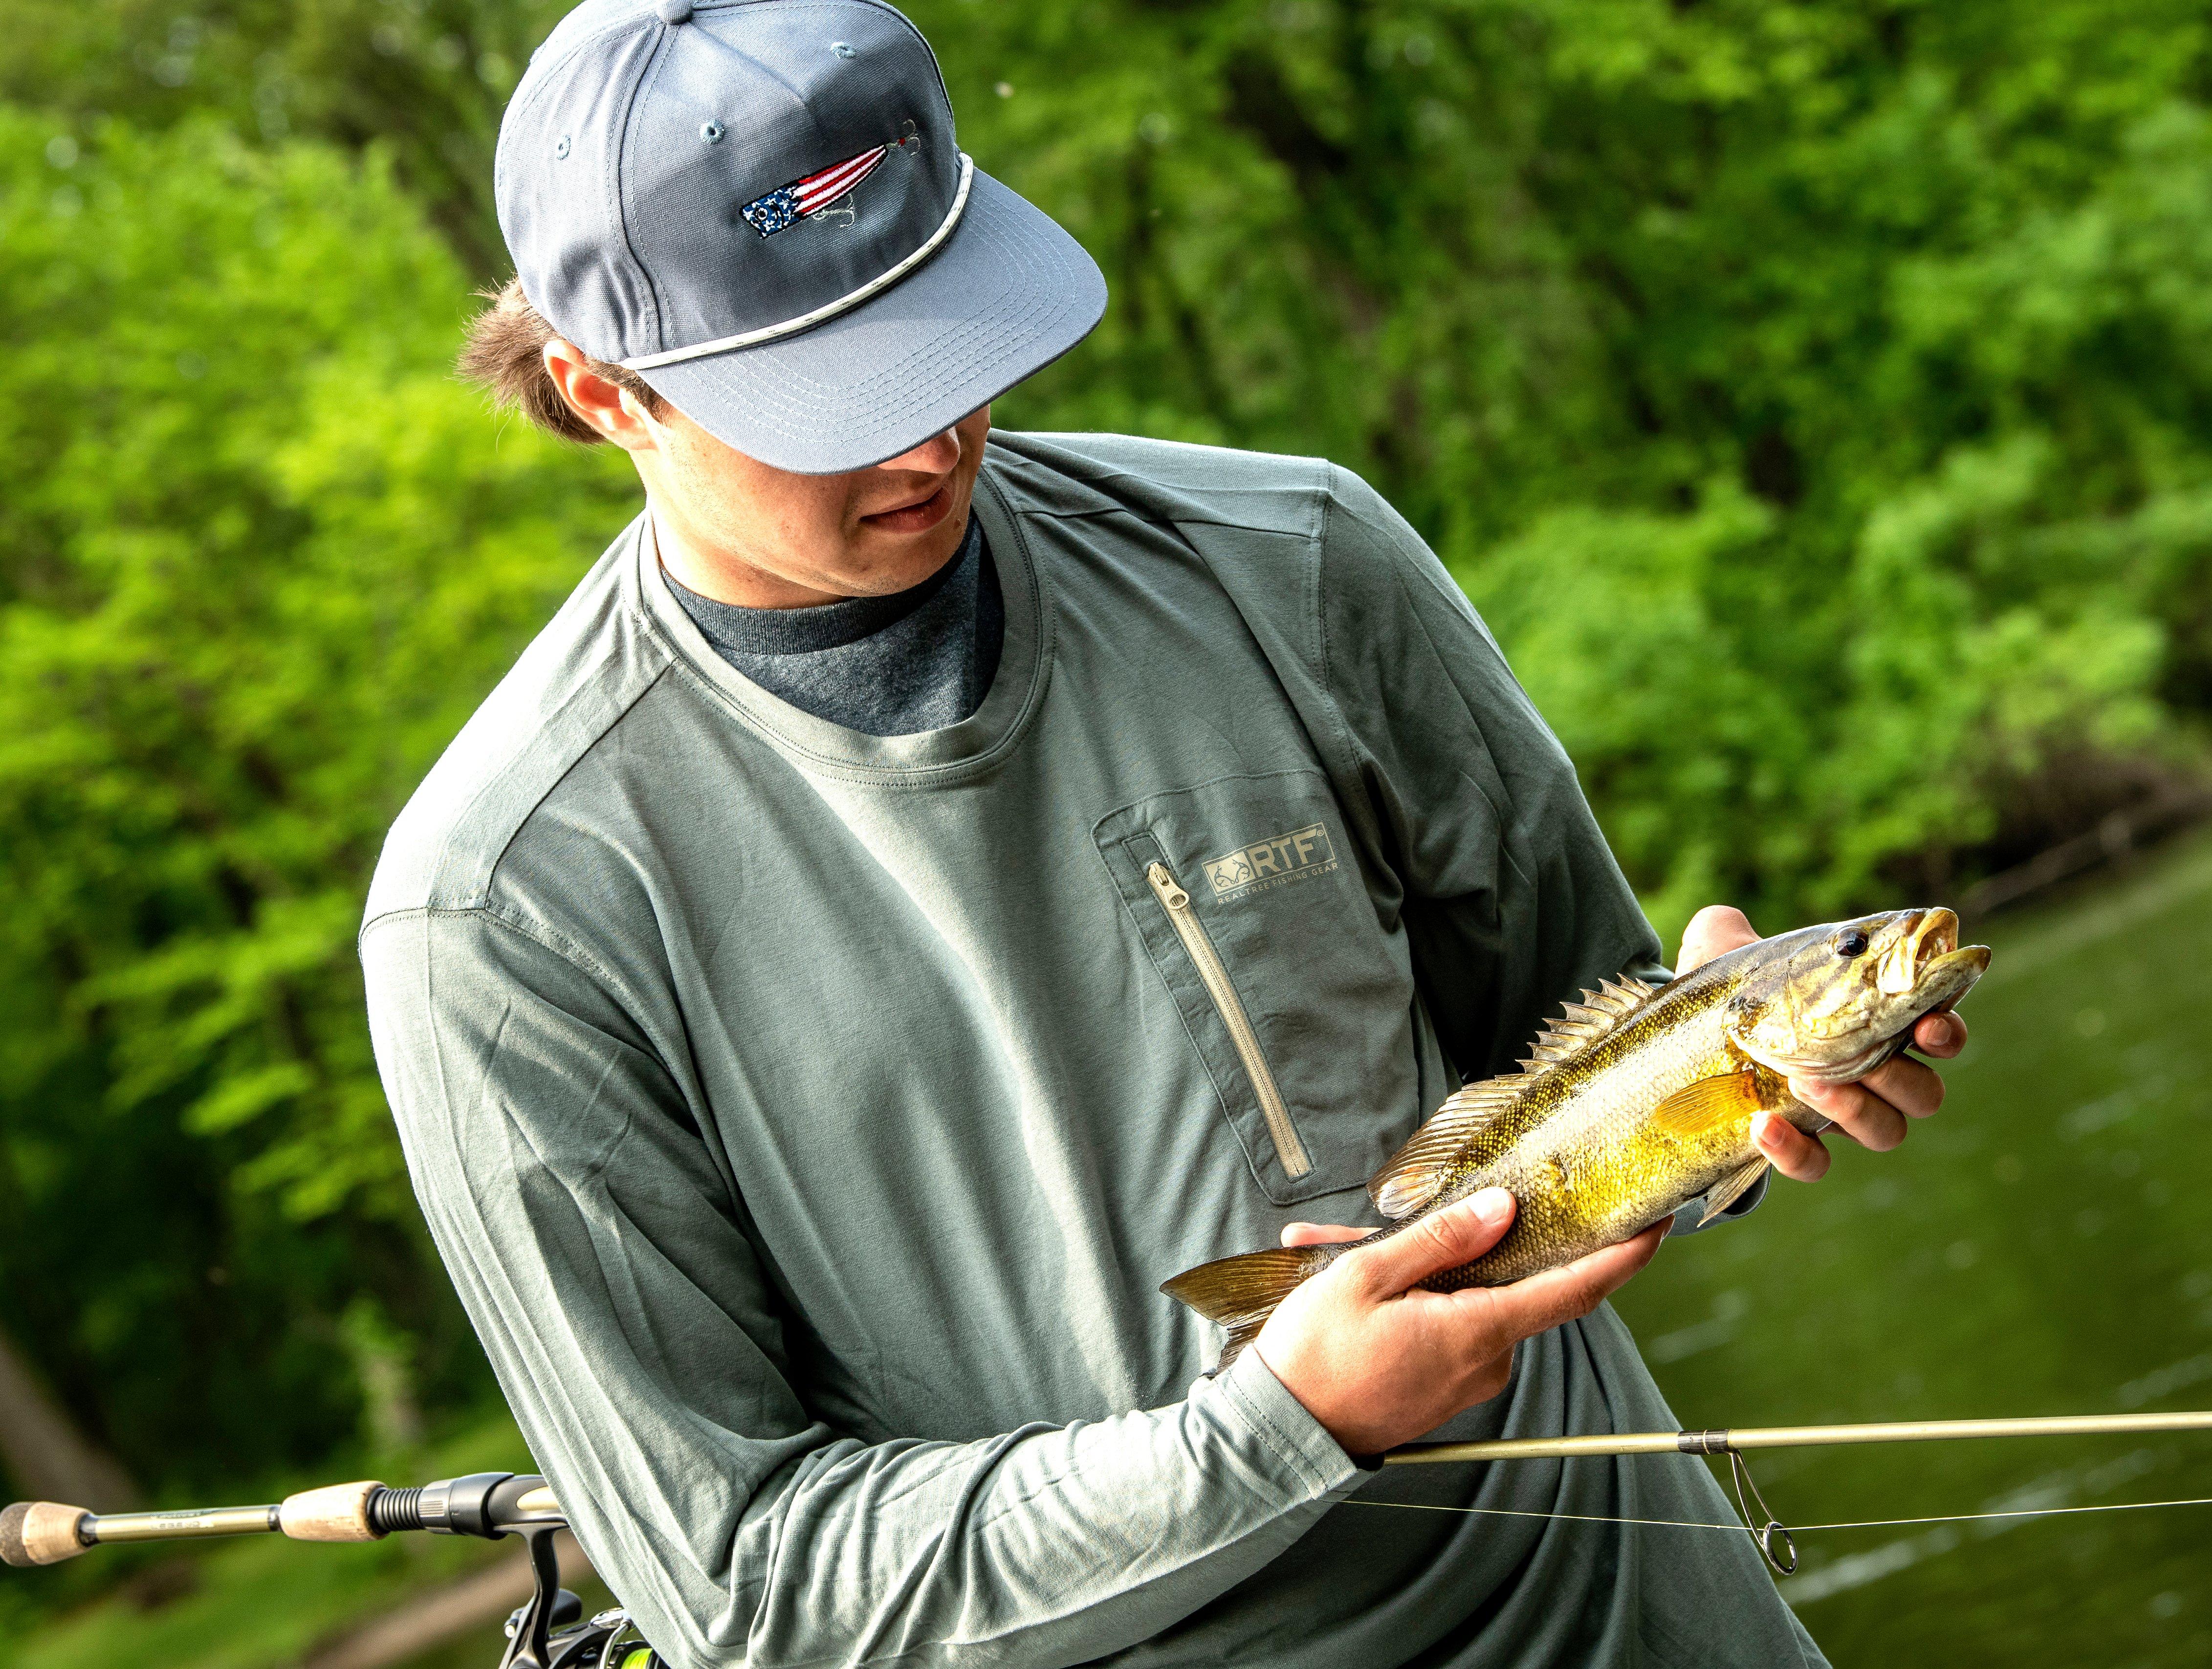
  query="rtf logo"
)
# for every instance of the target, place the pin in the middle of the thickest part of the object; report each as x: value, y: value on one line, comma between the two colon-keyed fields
x: 1296, y: 856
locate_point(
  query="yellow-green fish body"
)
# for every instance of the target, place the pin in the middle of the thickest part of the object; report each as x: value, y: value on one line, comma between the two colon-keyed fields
x: 1638, y: 1101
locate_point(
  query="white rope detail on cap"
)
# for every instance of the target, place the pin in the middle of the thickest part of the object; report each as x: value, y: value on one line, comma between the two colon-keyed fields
x: 845, y: 303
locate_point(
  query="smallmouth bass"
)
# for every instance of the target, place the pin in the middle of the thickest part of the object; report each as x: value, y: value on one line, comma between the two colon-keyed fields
x: 1636, y: 1102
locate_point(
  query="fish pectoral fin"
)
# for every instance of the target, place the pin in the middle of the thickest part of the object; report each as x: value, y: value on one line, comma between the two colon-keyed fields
x: 1413, y: 1175
x: 1707, y: 1105
x: 1731, y: 1189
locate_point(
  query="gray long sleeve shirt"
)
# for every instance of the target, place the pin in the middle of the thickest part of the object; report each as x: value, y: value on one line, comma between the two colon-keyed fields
x: 808, y: 1118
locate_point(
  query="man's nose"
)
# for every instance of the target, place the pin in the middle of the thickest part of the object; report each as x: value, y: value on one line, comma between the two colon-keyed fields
x: 934, y: 456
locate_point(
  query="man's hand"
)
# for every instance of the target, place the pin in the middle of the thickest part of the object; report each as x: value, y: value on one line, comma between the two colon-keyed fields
x: 1871, y: 1112
x: 1378, y: 1361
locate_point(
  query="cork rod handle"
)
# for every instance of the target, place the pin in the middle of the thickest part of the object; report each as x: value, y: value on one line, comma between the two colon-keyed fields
x: 40, y: 1533
x: 335, y: 1513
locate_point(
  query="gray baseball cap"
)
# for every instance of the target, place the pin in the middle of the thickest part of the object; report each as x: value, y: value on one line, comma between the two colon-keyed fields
x: 759, y: 206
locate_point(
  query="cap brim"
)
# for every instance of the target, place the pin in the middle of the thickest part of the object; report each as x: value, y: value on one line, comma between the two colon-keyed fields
x: 1008, y: 294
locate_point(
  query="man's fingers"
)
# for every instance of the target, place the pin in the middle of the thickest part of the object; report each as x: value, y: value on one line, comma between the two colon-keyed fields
x: 1459, y: 1234
x: 1940, y: 1035
x: 1912, y: 1088
x: 1864, y: 1116
x: 1320, y: 1234
x: 1798, y: 1157
x: 1543, y: 1302
x: 1713, y: 931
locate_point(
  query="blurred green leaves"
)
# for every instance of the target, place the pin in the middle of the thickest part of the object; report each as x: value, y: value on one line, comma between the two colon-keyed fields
x: 262, y: 556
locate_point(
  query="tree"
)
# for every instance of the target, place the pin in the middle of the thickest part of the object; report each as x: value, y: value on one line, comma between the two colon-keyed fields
x: 259, y: 555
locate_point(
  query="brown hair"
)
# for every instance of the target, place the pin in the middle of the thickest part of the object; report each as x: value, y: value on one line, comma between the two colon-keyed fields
x: 505, y: 355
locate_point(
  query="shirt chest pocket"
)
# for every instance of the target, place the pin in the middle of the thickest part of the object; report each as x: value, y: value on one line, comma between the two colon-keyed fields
x: 1245, y: 894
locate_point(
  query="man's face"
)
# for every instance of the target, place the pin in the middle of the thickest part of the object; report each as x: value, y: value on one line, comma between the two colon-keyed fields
x: 867, y: 533
x: 738, y: 530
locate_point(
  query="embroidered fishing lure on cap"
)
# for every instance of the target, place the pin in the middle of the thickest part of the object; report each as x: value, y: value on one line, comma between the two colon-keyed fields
x: 785, y: 206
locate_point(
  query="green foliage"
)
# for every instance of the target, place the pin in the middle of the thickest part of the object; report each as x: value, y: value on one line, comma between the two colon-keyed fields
x: 425, y: 80
x: 261, y: 557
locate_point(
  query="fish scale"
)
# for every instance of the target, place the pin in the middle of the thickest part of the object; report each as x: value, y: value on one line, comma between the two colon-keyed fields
x: 1635, y: 1103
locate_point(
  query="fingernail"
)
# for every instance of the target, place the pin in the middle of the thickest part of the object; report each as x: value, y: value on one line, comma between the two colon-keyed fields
x: 1494, y: 1206
x: 1808, y: 1091
x: 1762, y: 1129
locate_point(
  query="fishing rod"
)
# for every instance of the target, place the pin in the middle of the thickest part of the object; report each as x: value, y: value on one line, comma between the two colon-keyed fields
x: 547, y: 1632
x: 1771, y: 1536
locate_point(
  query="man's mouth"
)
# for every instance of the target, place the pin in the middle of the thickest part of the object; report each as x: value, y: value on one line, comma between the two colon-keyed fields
x: 915, y: 516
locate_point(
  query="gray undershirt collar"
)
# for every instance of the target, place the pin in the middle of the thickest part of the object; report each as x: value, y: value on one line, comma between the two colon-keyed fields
x: 920, y: 659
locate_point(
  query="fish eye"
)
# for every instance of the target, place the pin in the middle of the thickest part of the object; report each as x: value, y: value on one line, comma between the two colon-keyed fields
x: 1852, y: 943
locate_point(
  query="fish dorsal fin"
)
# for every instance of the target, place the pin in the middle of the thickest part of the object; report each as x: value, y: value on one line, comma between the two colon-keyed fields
x: 1418, y: 1170
x: 1598, y: 1013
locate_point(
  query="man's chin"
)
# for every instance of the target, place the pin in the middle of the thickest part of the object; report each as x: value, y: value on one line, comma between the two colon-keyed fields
x: 886, y: 562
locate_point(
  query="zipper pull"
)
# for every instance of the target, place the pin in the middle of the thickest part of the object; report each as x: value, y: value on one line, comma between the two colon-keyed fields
x: 1169, y: 889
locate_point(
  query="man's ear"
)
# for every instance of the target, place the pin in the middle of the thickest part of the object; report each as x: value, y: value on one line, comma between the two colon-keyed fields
x: 607, y: 406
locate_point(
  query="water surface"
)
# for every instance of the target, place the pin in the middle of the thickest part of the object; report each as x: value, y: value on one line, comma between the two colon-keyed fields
x: 2043, y: 1246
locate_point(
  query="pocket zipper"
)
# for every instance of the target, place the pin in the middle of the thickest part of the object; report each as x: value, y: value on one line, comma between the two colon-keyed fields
x: 1176, y: 902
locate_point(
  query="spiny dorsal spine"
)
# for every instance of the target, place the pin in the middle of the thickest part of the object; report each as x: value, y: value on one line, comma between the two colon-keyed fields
x: 1599, y: 1014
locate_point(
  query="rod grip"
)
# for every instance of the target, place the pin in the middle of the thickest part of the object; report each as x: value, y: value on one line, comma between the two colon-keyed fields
x: 335, y: 1513
x: 40, y: 1533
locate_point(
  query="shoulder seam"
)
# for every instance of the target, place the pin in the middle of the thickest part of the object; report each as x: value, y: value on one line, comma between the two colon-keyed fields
x: 537, y: 932
x: 514, y: 833
x: 1322, y: 677
x: 1100, y: 477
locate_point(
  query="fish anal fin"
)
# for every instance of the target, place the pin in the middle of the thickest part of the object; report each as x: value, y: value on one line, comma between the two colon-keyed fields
x: 1413, y: 1175
x: 1731, y: 1189
x: 1710, y: 1104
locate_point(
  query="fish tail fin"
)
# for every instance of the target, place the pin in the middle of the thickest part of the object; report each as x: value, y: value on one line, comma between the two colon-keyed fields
x: 1239, y: 1336
x: 1230, y: 1289
x: 1241, y: 1293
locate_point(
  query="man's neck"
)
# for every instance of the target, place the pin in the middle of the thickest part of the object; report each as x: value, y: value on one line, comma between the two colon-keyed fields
x: 724, y: 576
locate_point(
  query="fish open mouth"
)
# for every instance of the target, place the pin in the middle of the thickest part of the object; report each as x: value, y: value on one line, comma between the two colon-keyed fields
x: 1930, y: 960
x: 1937, y: 935
x: 1917, y: 954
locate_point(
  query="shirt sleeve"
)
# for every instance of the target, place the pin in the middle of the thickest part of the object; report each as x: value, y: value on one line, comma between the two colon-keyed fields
x: 634, y: 1327
x: 1511, y: 899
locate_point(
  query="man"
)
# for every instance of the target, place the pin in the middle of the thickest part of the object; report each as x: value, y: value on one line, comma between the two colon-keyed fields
x: 926, y: 887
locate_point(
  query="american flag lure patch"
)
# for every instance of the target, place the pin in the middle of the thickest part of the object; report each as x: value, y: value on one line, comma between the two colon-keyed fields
x: 788, y: 204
